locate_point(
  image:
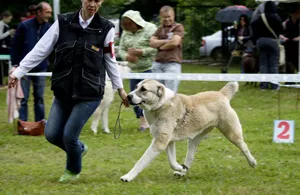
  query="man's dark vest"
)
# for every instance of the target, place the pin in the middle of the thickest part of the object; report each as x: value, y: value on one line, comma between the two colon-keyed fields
x: 79, y: 68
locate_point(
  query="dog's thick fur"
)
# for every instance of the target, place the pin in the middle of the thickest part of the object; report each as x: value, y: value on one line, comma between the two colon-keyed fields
x: 177, y: 117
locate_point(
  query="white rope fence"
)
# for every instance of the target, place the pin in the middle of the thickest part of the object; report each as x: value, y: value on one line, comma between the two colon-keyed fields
x: 204, y: 77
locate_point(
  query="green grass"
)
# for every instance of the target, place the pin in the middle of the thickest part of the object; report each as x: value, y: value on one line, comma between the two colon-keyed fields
x: 30, y: 165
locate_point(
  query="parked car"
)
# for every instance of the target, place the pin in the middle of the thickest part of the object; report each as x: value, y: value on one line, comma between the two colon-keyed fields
x: 211, y: 45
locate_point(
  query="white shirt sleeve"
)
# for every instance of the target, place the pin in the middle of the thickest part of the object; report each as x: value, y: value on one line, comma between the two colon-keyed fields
x: 40, y: 51
x: 111, y: 62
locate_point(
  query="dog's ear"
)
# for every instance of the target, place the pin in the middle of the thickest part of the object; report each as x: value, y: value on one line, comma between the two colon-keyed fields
x: 160, y: 90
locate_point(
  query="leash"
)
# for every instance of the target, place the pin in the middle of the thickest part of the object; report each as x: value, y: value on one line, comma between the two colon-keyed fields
x: 118, y: 123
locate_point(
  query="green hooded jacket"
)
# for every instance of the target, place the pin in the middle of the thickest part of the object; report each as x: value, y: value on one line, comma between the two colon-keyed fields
x: 138, y: 40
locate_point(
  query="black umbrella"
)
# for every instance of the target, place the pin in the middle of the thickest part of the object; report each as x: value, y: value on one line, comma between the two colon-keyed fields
x: 232, y: 13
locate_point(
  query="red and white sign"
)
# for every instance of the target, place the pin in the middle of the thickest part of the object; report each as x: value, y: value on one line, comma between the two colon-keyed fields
x: 283, y: 131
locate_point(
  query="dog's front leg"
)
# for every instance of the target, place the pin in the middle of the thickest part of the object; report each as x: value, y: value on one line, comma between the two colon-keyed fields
x: 171, y: 152
x: 143, y: 162
x: 192, y: 147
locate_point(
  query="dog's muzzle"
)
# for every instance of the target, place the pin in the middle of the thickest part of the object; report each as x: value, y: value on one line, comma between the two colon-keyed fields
x: 129, y: 97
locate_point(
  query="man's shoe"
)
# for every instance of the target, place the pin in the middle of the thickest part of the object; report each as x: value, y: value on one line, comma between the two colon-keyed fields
x: 68, y: 176
x: 85, y: 150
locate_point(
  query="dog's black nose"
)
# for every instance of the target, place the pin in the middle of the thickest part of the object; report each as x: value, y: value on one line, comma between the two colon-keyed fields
x: 129, y: 97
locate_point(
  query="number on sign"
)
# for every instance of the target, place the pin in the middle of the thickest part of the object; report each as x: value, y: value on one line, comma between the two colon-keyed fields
x: 285, y: 133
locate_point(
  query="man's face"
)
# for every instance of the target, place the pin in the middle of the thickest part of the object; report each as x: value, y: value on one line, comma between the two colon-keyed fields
x: 91, y: 6
x: 45, y: 14
x: 167, y: 17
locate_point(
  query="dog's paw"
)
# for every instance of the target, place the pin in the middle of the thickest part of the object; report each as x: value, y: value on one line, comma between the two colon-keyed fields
x: 94, y: 130
x: 183, y: 171
x: 252, y: 163
x: 179, y: 173
x: 126, y: 178
x: 106, y: 131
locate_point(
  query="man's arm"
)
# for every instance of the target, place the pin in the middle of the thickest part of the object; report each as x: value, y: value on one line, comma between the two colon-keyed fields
x: 156, y: 43
x: 171, y: 44
x: 17, y: 45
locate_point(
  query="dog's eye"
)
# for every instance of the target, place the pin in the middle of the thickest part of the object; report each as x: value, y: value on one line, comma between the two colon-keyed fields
x: 143, y: 89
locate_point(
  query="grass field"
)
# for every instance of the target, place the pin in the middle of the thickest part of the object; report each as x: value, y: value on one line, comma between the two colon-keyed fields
x: 30, y: 165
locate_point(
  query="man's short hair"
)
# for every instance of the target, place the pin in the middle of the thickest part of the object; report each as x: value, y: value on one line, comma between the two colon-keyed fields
x: 166, y: 8
x: 40, y: 6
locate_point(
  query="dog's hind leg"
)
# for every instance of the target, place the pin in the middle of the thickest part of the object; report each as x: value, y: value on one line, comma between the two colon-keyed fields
x: 232, y: 130
x: 171, y: 152
x: 143, y: 162
x: 96, y: 119
x: 104, y: 116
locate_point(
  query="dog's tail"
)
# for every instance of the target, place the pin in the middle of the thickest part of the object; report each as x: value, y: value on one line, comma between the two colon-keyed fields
x: 230, y: 89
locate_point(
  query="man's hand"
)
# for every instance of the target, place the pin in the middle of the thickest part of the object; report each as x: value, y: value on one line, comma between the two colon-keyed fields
x: 135, y: 52
x: 12, y: 81
x: 12, y: 70
x: 296, y: 39
x: 12, y: 32
x: 132, y: 59
x: 123, y: 96
x: 283, y: 38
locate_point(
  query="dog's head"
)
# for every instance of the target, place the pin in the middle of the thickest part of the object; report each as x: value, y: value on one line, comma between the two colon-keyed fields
x: 149, y: 94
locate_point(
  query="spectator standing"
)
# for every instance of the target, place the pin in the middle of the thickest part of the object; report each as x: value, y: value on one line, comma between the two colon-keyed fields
x: 83, y: 42
x: 31, y: 11
x: 242, y: 34
x: 134, y: 47
x: 242, y: 37
x: 291, y: 40
x: 266, y: 43
x: 23, y: 16
x: 168, y: 41
x: 6, y: 35
x: 27, y: 35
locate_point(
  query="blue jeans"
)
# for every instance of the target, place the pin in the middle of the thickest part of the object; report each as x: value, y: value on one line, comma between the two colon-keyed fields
x: 65, y: 122
x: 133, y: 82
x: 171, y: 67
x: 268, y: 59
x: 38, y: 95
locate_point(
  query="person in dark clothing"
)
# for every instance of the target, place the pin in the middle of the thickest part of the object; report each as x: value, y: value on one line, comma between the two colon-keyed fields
x: 242, y: 34
x: 266, y: 43
x: 242, y: 39
x: 291, y: 39
x: 27, y: 35
x: 83, y: 42
x: 31, y: 11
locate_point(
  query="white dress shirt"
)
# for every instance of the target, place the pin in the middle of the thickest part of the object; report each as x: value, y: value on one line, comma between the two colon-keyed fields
x: 46, y: 44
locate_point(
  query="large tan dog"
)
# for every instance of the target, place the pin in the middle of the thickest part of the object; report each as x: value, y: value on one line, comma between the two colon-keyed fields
x: 177, y: 117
